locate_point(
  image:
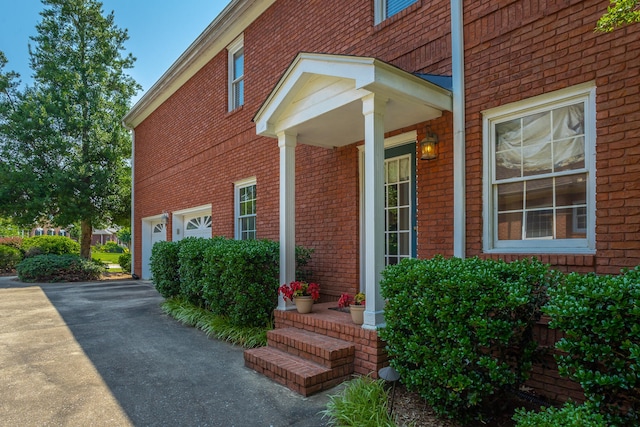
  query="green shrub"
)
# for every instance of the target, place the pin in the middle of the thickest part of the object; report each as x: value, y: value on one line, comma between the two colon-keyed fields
x: 570, y: 415
x: 241, y: 280
x: 164, y: 268
x: 191, y: 263
x: 460, y: 331
x: 55, y: 245
x: 124, y: 261
x: 14, y: 242
x: 600, y: 316
x: 362, y: 403
x: 110, y: 248
x: 9, y: 258
x: 58, y: 268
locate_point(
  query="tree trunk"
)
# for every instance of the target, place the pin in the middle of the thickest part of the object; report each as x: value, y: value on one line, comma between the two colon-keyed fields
x: 86, y: 230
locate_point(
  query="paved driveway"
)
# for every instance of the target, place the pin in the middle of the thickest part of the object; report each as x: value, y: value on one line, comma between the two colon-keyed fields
x: 104, y: 354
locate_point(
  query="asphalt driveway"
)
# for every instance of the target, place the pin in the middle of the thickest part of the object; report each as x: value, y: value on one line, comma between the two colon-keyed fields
x: 104, y: 354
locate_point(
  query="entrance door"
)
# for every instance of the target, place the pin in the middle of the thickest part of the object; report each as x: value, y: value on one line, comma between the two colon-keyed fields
x: 400, y: 203
x: 152, y: 232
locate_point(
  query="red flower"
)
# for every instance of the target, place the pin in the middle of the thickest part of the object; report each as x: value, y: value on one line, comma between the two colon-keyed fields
x: 298, y: 289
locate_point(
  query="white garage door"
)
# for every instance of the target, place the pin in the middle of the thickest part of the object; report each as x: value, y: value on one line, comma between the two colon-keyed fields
x: 197, y: 226
x: 159, y: 233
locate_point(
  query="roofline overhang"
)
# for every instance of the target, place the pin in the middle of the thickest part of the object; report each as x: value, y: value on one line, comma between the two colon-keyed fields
x: 370, y: 75
x: 225, y: 28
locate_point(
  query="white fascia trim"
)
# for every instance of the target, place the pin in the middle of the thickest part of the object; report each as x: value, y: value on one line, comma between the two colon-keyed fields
x: 230, y: 23
x: 196, y: 209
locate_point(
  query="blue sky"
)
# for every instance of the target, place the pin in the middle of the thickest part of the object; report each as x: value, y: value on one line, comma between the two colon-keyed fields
x: 159, y: 31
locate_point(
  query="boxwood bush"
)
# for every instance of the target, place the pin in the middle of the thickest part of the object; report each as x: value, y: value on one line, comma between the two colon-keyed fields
x: 58, y: 268
x: 164, y: 268
x: 9, y: 258
x: 460, y: 331
x: 241, y: 280
x: 600, y: 316
x: 570, y: 415
x: 231, y: 278
x: 56, y: 245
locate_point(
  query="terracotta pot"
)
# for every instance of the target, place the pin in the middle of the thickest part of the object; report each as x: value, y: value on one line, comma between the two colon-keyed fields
x: 357, y: 313
x: 304, y: 304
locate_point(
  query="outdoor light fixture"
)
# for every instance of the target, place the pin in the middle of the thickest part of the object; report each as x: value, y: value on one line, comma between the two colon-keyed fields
x: 164, y: 218
x: 429, y: 146
x: 390, y: 375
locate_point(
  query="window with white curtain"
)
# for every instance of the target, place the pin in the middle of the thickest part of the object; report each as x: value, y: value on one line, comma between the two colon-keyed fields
x: 387, y: 8
x: 539, y: 174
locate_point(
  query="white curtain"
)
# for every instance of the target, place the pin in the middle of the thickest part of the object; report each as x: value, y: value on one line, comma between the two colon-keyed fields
x: 538, y: 141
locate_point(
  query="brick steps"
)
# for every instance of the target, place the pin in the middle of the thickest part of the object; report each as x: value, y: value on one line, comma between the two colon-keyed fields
x: 303, y: 361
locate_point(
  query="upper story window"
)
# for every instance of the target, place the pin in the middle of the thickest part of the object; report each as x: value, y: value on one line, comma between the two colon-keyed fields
x: 387, y: 8
x: 540, y: 174
x: 236, y: 73
x: 245, y: 201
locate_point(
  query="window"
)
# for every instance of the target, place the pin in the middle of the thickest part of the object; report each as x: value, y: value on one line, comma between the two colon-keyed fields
x: 387, y: 8
x: 540, y: 174
x: 236, y: 73
x: 246, y: 209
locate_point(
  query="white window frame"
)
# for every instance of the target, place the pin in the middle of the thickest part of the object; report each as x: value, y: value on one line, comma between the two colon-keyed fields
x: 586, y: 93
x: 380, y: 10
x: 236, y: 46
x: 238, y: 185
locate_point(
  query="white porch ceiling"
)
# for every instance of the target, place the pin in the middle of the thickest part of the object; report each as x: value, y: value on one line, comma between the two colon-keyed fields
x: 319, y: 99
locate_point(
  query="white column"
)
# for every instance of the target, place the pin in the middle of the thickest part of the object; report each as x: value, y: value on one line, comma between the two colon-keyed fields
x: 287, y: 144
x: 373, y: 109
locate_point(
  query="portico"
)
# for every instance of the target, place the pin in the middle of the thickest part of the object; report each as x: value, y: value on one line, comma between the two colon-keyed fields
x: 333, y: 101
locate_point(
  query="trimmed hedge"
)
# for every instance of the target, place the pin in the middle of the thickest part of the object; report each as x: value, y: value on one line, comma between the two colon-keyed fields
x: 231, y: 278
x: 570, y: 415
x: 14, y: 242
x: 110, y: 247
x: 58, y: 268
x: 600, y: 316
x: 56, y: 245
x: 164, y: 267
x: 9, y: 258
x: 459, y: 331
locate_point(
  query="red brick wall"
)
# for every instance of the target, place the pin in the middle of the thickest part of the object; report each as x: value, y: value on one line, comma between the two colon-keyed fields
x: 519, y: 49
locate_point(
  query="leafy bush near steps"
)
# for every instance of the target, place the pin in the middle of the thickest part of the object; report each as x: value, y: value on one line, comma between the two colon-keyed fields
x: 58, y: 268
x: 600, y: 316
x: 55, y: 245
x: 165, y: 268
x: 9, y: 258
x: 460, y: 331
x: 241, y: 280
x: 570, y: 415
x: 235, y: 279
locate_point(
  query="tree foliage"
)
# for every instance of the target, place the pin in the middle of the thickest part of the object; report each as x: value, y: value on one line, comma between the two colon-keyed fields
x: 619, y: 13
x: 66, y: 154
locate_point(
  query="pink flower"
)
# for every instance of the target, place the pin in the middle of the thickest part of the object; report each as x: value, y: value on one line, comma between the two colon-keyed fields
x: 298, y: 289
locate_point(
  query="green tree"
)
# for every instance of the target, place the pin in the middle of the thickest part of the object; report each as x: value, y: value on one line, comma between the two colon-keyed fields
x: 66, y: 154
x: 619, y: 13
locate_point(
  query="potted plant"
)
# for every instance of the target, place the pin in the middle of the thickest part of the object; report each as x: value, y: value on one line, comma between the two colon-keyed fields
x: 303, y: 294
x: 356, y: 306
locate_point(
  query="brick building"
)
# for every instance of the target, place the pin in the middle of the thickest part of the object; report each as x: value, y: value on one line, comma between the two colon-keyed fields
x: 307, y: 122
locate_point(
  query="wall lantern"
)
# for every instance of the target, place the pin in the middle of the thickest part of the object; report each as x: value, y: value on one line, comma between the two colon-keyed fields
x: 429, y: 146
x: 164, y: 218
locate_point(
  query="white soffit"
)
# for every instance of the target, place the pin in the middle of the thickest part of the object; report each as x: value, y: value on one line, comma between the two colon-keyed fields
x: 319, y: 99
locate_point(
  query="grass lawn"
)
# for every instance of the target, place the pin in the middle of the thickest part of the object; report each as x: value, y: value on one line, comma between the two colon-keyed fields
x: 108, y: 258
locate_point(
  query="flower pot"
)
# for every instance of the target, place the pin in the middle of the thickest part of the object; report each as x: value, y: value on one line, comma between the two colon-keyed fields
x: 357, y: 314
x: 304, y: 304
